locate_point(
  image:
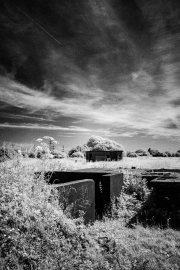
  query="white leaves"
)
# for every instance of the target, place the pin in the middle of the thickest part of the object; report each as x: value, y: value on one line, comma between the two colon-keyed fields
x: 39, y: 140
x: 103, y: 144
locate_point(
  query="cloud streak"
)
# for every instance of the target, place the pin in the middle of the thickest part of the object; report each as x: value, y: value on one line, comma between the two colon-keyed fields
x: 135, y: 114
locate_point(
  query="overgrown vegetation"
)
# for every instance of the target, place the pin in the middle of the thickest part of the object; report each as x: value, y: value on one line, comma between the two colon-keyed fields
x: 36, y: 234
x: 44, y: 147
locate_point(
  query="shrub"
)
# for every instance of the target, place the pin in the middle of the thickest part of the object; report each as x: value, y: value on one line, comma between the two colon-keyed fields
x: 72, y: 151
x: 77, y: 155
x: 131, y: 154
x: 168, y: 154
x: 81, y: 149
x: 141, y: 152
x: 164, y: 154
x: 133, y: 196
x: 31, y: 155
x: 155, y: 153
x: 177, y: 154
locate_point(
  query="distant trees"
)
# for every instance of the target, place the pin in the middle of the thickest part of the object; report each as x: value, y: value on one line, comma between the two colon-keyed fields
x: 141, y: 152
x: 77, y: 155
x: 131, y: 154
x: 80, y: 149
x: 153, y: 153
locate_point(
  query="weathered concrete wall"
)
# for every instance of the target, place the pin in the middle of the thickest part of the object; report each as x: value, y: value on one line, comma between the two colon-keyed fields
x: 78, y: 196
x: 108, y: 183
x: 149, y: 176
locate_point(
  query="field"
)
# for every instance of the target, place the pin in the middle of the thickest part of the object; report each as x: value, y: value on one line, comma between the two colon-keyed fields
x: 125, y: 163
x: 36, y: 234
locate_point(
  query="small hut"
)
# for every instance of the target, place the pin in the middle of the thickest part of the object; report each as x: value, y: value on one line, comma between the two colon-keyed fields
x: 104, y: 155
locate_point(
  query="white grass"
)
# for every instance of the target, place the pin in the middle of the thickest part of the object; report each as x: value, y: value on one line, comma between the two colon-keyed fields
x: 75, y: 164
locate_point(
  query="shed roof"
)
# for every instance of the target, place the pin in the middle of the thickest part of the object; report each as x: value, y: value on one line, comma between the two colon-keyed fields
x: 104, y: 151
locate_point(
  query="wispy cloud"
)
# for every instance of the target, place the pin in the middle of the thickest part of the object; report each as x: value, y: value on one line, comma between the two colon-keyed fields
x: 43, y: 127
x: 134, y: 113
x: 27, y: 117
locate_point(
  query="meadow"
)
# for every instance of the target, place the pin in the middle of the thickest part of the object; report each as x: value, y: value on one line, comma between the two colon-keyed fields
x: 36, y: 234
x: 80, y: 163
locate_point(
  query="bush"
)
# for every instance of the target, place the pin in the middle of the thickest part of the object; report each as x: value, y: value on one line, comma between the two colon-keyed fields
x: 141, y: 152
x: 72, y: 151
x: 31, y: 155
x: 164, y: 154
x: 168, y: 154
x: 133, y: 196
x: 77, y: 155
x: 131, y: 154
x: 155, y: 153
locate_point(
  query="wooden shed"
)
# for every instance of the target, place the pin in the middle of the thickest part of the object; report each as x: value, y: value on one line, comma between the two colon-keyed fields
x: 104, y: 155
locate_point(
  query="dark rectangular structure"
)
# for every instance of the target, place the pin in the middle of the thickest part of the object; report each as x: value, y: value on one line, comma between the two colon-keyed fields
x: 78, y: 196
x: 103, y: 155
x: 108, y: 183
x: 167, y: 189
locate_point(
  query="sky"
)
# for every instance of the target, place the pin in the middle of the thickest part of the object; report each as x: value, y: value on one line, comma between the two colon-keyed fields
x: 73, y: 69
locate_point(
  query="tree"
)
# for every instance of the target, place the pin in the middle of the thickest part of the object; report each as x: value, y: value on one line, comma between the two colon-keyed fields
x: 141, y: 152
x: 177, y: 154
x: 77, y: 155
x: 155, y: 153
x: 78, y: 148
x: 131, y: 154
x: 102, y: 144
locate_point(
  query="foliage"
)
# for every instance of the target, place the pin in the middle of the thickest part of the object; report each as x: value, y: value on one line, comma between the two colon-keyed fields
x: 99, y: 143
x: 72, y: 151
x: 141, y: 152
x: 168, y: 154
x: 36, y: 234
x: 81, y: 149
x: 31, y: 154
x: 133, y: 196
x: 154, y: 153
x: 77, y: 155
x: 131, y: 154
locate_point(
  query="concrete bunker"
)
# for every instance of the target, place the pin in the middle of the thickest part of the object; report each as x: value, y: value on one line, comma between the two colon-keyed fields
x: 167, y: 189
x: 108, y: 184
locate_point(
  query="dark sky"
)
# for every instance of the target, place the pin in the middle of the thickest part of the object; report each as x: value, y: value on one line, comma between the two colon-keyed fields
x: 73, y: 69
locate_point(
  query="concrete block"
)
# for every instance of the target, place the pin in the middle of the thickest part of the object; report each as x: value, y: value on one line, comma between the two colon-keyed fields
x: 78, y: 196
